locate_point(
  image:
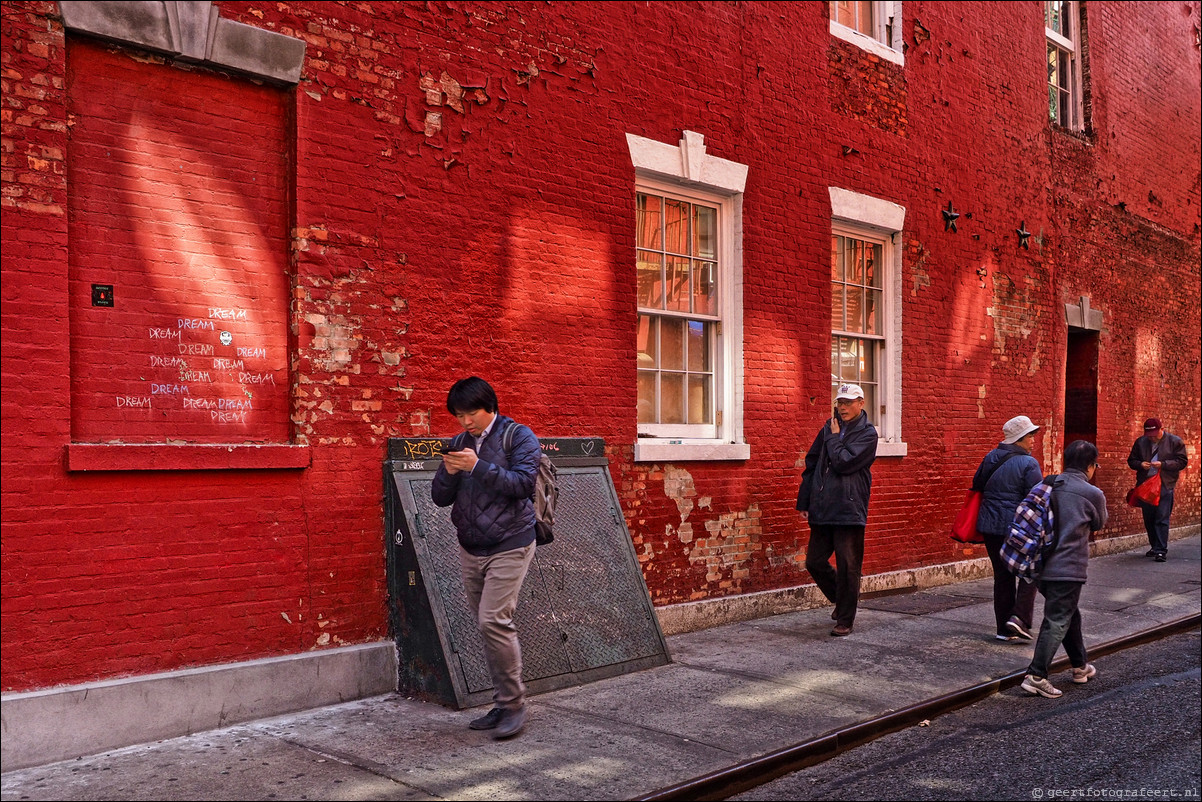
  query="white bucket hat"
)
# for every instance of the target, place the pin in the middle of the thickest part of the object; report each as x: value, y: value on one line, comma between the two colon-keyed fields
x: 1017, y: 428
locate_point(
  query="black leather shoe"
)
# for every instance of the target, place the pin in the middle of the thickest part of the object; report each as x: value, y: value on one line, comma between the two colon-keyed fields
x: 489, y: 720
x: 1161, y: 558
x: 511, y: 723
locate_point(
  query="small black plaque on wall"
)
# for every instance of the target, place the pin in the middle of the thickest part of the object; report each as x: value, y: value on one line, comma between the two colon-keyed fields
x: 102, y: 295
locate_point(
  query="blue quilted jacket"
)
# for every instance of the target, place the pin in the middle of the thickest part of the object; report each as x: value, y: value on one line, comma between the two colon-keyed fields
x: 493, y: 511
x: 1006, y: 488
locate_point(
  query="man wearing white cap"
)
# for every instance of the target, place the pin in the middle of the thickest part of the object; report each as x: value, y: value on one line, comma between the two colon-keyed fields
x: 833, y: 497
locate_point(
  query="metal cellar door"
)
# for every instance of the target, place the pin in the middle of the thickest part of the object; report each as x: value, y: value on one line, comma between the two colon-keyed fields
x: 584, y: 612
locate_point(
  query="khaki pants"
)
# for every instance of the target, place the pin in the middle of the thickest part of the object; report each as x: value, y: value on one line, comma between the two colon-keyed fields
x: 492, y: 585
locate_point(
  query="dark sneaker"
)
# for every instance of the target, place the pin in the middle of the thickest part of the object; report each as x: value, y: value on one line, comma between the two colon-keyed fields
x: 1151, y: 553
x: 511, y: 723
x: 1016, y: 626
x: 1040, y: 686
x: 840, y: 631
x: 1161, y: 558
x: 489, y: 720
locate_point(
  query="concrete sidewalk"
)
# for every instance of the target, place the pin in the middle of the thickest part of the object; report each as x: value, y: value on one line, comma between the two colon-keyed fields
x: 733, y: 693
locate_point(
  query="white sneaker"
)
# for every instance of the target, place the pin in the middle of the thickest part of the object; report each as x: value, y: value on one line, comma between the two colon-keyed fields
x: 1040, y: 686
x: 1084, y: 675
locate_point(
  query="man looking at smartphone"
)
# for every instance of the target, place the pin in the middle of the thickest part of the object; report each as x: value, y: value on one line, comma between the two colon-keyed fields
x: 494, y: 518
x: 833, y: 497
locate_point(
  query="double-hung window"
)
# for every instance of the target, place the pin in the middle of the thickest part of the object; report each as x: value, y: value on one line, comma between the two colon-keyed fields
x: 688, y: 297
x: 858, y: 343
x: 679, y: 325
x: 1061, y: 25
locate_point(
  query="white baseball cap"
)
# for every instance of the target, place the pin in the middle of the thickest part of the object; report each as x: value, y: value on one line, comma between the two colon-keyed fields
x: 1017, y: 428
x: 849, y: 392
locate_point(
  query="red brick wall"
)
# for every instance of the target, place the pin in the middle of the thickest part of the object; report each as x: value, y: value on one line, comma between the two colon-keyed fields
x: 179, y: 200
x: 464, y: 205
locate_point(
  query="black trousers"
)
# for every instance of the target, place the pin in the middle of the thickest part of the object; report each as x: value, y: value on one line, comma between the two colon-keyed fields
x: 840, y: 584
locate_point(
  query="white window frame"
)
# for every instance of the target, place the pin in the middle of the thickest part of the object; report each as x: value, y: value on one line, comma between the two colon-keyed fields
x: 687, y: 171
x: 1071, y: 48
x: 887, y: 39
x: 862, y: 216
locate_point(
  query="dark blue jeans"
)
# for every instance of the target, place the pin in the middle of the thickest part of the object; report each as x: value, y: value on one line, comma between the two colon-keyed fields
x: 1061, y: 624
x: 840, y: 584
x: 1156, y: 520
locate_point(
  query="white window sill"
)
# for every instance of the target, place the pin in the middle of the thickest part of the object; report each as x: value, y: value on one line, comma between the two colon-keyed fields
x: 886, y: 449
x: 684, y: 451
x: 867, y: 43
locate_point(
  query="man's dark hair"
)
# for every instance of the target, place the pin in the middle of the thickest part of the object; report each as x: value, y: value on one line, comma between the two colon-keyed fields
x: 470, y: 394
x: 1080, y: 455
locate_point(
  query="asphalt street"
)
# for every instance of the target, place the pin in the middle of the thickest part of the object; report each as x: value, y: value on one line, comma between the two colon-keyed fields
x: 1134, y: 732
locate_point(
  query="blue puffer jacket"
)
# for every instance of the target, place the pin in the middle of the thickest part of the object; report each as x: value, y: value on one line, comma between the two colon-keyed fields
x: 838, y: 475
x: 1006, y: 489
x: 493, y: 510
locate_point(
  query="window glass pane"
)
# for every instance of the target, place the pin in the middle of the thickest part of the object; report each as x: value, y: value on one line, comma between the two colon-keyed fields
x: 706, y: 227
x: 837, y: 308
x: 647, y: 341
x: 864, y: 21
x: 671, y: 344
x: 705, y: 288
x: 676, y: 226
x: 872, y: 267
x: 647, y: 401
x: 678, y: 284
x: 699, y: 346
x: 648, y: 219
x: 672, y: 397
x: 837, y: 259
x: 872, y: 313
x: 849, y: 359
x: 855, y: 309
x: 867, y: 372
x: 841, y: 13
x: 855, y: 262
x: 870, y: 403
x: 650, y: 279
x: 700, y: 405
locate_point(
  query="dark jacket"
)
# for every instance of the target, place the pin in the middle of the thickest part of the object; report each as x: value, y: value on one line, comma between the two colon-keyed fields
x: 838, y: 475
x: 1006, y: 488
x: 1080, y: 510
x: 493, y: 510
x: 1171, y: 453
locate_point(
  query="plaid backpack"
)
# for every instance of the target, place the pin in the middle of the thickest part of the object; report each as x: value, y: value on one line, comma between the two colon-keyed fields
x: 546, y: 491
x: 1032, y: 532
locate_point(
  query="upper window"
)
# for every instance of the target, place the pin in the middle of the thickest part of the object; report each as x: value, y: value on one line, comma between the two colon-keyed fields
x: 689, y: 329
x: 866, y: 313
x: 874, y: 25
x: 1061, y: 25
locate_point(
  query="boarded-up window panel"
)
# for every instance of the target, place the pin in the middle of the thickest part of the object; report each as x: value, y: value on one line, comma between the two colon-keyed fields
x: 179, y: 201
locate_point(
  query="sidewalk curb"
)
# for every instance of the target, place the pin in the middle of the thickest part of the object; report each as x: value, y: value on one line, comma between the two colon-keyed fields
x: 749, y: 774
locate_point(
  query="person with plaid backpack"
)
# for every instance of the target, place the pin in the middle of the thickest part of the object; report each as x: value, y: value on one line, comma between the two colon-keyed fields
x: 1079, y: 510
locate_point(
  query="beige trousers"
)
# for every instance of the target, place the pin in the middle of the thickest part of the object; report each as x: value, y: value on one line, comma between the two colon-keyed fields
x: 492, y: 584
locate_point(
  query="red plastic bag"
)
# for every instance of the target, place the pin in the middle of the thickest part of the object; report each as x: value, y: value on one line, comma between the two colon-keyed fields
x: 1147, y: 491
x: 964, y: 528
